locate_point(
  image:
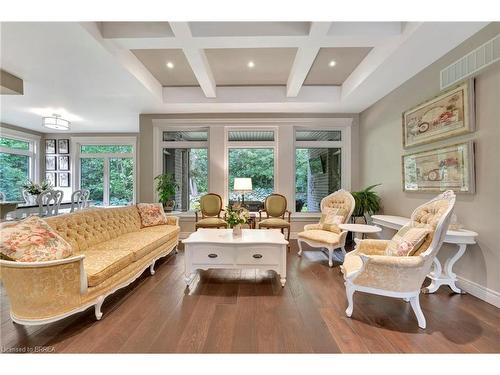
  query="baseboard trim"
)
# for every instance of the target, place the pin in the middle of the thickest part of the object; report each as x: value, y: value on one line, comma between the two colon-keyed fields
x: 479, y: 291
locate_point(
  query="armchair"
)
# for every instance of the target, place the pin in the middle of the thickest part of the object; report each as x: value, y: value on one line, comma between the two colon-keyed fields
x: 210, y: 209
x: 368, y: 269
x: 275, y: 208
x: 329, y: 237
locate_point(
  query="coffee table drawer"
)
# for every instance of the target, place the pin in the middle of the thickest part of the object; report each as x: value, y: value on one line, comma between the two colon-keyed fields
x: 260, y: 255
x: 211, y: 255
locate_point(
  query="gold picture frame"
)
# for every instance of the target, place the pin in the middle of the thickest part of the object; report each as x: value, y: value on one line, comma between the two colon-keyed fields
x: 444, y: 168
x: 447, y: 115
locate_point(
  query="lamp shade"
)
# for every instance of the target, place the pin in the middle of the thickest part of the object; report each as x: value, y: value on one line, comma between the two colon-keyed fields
x: 242, y: 184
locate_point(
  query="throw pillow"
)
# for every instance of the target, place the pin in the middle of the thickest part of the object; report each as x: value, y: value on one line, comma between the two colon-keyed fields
x: 152, y: 214
x: 32, y: 240
x: 330, y: 219
x: 407, y: 241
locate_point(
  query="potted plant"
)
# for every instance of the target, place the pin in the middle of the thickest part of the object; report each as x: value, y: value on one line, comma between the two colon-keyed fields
x: 166, y: 188
x: 235, y: 216
x: 367, y: 202
x: 33, y: 190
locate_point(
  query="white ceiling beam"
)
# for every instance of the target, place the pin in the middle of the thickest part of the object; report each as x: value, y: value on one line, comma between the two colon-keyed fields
x: 304, y: 58
x: 196, y: 58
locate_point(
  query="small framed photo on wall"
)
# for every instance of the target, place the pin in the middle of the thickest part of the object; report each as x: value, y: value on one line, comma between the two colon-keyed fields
x: 50, y: 146
x: 51, y: 178
x: 63, y: 146
x: 63, y: 163
x: 50, y: 163
x: 64, y: 179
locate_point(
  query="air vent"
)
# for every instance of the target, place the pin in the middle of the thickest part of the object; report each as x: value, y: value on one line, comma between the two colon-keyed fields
x: 471, y: 63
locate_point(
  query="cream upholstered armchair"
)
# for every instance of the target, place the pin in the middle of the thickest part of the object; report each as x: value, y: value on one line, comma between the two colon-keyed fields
x: 210, y: 208
x: 374, y: 268
x: 326, y: 236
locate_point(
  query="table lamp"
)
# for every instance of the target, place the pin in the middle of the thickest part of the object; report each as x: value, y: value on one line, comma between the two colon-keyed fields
x: 243, y: 185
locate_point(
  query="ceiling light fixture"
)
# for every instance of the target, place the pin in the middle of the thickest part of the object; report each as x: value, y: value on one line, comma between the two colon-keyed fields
x: 55, y: 122
x: 251, y: 64
x: 332, y: 63
x: 170, y: 65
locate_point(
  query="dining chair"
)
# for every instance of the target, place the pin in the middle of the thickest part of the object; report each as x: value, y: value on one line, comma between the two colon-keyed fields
x: 49, y: 202
x: 275, y: 208
x: 210, y: 208
x: 79, y: 199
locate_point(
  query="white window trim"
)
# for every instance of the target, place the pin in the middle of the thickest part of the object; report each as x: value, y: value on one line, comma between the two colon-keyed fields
x: 77, y: 142
x: 33, y: 153
x: 283, y: 124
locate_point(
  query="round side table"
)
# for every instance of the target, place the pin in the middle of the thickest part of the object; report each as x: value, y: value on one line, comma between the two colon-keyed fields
x: 360, y: 229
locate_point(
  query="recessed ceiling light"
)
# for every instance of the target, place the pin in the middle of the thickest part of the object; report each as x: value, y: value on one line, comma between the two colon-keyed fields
x: 170, y: 65
x: 332, y: 63
x: 251, y: 64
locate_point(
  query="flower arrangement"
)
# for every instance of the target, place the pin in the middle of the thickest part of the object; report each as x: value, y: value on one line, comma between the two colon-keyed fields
x: 33, y: 188
x: 236, y: 215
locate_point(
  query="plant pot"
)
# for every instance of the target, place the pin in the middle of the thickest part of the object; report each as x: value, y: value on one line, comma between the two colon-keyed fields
x: 237, y: 230
x: 169, y: 206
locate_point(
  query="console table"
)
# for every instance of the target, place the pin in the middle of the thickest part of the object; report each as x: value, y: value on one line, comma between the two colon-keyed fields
x: 439, y: 275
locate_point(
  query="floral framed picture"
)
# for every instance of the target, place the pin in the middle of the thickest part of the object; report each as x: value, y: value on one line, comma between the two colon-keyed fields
x: 63, y: 163
x: 64, y: 179
x: 51, y: 177
x: 63, y: 146
x: 447, y: 115
x: 50, y: 163
x: 439, y: 169
x: 50, y: 146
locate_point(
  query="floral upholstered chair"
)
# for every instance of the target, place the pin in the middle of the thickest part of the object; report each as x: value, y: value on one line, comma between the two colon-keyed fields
x: 275, y: 210
x: 336, y: 209
x: 210, y: 209
x: 397, y: 267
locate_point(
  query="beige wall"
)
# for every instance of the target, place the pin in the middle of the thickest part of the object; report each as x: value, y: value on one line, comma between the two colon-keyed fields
x: 381, y: 150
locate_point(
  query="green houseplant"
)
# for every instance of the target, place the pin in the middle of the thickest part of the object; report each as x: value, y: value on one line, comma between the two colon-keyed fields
x: 367, y: 202
x: 166, y: 188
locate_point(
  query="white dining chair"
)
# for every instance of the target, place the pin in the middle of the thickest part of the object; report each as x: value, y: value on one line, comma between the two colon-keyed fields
x: 79, y: 199
x: 49, y: 202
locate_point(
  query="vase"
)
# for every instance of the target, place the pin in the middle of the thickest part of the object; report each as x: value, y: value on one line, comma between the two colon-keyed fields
x: 237, y: 230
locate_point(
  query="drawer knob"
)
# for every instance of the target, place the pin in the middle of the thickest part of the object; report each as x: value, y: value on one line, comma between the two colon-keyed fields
x: 257, y: 256
x: 212, y: 255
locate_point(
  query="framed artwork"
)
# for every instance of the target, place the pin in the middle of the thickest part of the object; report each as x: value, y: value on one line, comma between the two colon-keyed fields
x: 447, y: 167
x: 63, y: 163
x: 51, y: 177
x: 447, y: 115
x: 64, y: 179
x: 50, y: 163
x: 50, y: 146
x: 63, y: 146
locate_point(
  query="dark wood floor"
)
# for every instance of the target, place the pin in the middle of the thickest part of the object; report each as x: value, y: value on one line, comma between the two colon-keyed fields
x: 248, y: 312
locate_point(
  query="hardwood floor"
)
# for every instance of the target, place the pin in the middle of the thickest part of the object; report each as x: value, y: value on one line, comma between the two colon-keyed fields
x: 248, y: 312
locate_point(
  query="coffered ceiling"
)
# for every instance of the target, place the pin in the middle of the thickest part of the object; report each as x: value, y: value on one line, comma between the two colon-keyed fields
x: 104, y: 74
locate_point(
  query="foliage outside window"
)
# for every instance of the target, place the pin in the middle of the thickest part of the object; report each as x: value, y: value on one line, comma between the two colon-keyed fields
x: 14, y: 167
x: 255, y: 163
x: 106, y: 149
x: 14, y: 144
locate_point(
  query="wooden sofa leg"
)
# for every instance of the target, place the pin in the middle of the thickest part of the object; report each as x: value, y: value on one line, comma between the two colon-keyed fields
x: 97, y: 308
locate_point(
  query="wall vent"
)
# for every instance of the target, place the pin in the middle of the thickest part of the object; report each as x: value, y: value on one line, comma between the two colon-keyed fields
x: 471, y: 63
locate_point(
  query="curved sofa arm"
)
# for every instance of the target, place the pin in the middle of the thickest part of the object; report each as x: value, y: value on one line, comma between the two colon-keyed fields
x: 38, y: 290
x: 173, y: 220
x: 393, y: 261
x: 372, y: 247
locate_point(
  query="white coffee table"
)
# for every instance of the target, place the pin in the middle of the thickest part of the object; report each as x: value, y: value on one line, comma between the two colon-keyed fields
x: 360, y: 229
x: 263, y: 249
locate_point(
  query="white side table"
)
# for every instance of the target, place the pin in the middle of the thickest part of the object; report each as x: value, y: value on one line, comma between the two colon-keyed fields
x: 360, y: 229
x: 439, y: 275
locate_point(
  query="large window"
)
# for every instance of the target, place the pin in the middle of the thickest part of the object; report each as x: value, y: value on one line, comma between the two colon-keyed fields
x: 17, y: 165
x: 107, y: 170
x: 185, y: 156
x: 318, y: 168
x: 251, y: 154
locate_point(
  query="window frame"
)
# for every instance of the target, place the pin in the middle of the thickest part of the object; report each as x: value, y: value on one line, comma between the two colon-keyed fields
x: 33, y: 153
x: 77, y: 142
x: 345, y: 153
x: 249, y: 144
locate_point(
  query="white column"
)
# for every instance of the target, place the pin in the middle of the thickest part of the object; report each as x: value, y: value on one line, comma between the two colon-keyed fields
x: 216, y: 159
x: 286, y: 165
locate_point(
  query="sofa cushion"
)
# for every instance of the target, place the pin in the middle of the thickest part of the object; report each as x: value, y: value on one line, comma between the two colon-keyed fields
x: 102, y: 264
x: 211, y: 222
x: 274, y: 222
x: 321, y: 236
x: 152, y: 214
x: 32, y: 240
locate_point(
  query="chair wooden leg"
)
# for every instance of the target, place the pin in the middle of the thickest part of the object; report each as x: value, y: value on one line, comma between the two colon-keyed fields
x: 349, y: 291
x: 415, y: 305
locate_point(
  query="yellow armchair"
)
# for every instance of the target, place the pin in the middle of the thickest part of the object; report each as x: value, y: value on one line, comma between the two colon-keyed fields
x: 210, y: 209
x: 275, y: 208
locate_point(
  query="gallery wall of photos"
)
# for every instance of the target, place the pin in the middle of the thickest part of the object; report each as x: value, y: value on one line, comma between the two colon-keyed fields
x: 57, y: 162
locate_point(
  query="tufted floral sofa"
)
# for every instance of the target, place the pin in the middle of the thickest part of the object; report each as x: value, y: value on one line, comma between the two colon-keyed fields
x: 110, y: 250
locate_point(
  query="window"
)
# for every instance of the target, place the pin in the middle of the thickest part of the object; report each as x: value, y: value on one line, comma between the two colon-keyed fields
x: 17, y: 164
x: 108, y: 172
x: 185, y: 156
x: 318, y: 167
x: 251, y: 154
